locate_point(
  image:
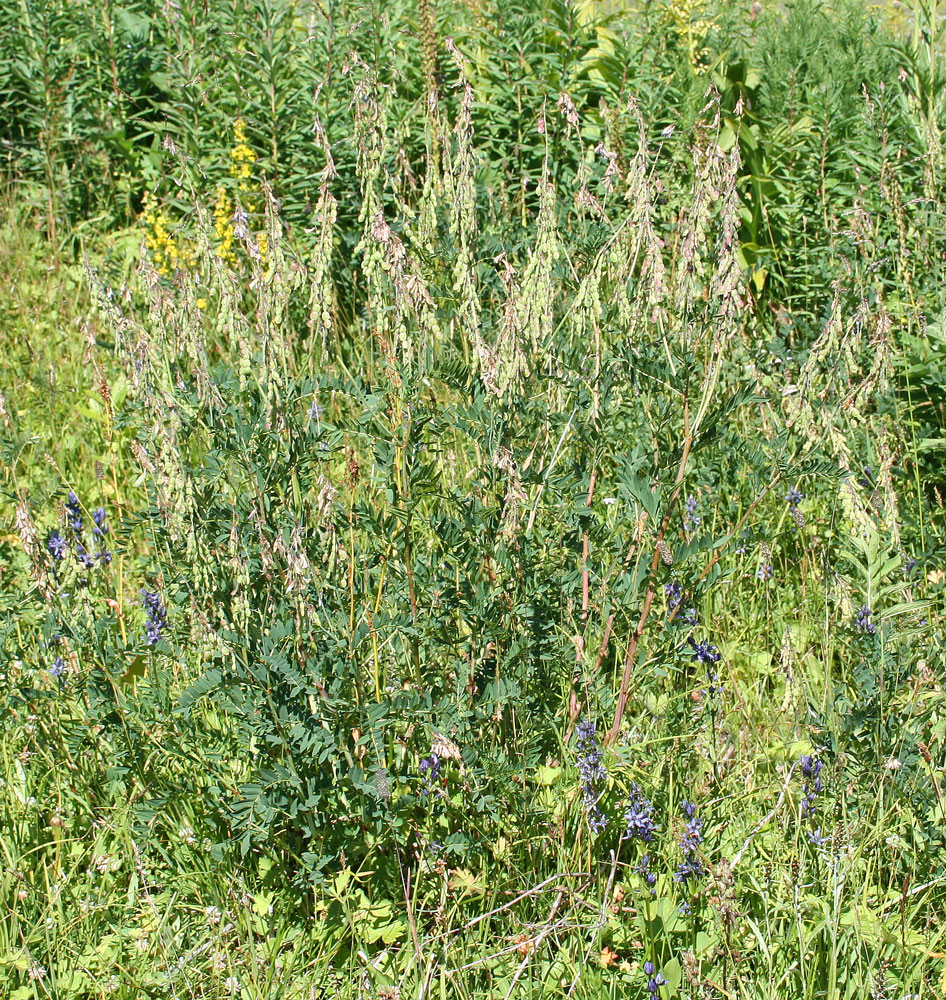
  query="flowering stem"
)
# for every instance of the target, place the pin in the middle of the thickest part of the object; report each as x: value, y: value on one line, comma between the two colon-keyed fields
x: 714, y: 559
x: 603, y: 648
x: 585, y: 584
x: 585, y: 546
x: 648, y: 597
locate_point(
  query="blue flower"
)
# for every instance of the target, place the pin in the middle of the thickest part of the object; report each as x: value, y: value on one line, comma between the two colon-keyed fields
x: 56, y: 545
x: 430, y: 772
x: 157, y: 617
x: 703, y: 651
x: 811, y: 771
x: 58, y: 668
x: 863, y: 623
x: 810, y: 765
x: 639, y: 817
x: 87, y: 560
x: 74, y: 509
x: 98, y: 516
x: 643, y: 869
x: 714, y: 688
x: 690, y: 520
x: 655, y: 980
x: 794, y: 497
x: 591, y: 770
x: 691, y: 867
x: 764, y: 572
x: 673, y: 595
x: 693, y: 835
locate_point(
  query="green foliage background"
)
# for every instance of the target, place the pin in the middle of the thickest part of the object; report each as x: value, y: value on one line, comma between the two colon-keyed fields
x: 417, y: 353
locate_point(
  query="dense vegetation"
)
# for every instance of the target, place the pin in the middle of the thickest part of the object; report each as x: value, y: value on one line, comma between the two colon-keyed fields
x: 472, y: 498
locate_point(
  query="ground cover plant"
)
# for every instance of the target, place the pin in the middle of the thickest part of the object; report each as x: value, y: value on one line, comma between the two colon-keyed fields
x: 472, y: 500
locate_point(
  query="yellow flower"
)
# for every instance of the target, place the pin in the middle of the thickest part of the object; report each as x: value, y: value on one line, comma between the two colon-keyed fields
x: 166, y: 254
x: 241, y: 154
x: 223, y: 227
x: 691, y: 24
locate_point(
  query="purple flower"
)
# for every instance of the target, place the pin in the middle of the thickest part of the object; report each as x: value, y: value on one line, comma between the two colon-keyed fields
x: 863, y: 623
x: 639, y: 817
x: 56, y: 545
x: 74, y: 509
x: 430, y: 772
x: 690, y: 520
x: 101, y: 528
x: 703, y: 651
x: 794, y: 497
x: 745, y: 536
x: 592, y: 772
x: 156, y: 617
x: 764, y: 572
x: 87, y: 560
x: 810, y: 765
x: 811, y: 771
x: 693, y: 835
x: 643, y: 869
x: 655, y: 980
x: 691, y: 867
x: 58, y: 668
x: 673, y: 595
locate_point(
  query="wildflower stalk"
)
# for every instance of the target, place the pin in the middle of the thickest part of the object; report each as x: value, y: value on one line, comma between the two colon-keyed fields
x: 690, y: 432
x: 585, y: 554
x: 714, y: 559
x: 651, y: 591
x: 426, y: 15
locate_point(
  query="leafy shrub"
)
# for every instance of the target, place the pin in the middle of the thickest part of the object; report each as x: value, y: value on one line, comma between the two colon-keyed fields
x: 503, y: 571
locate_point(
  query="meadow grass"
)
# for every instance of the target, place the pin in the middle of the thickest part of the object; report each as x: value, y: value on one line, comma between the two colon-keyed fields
x: 486, y: 542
